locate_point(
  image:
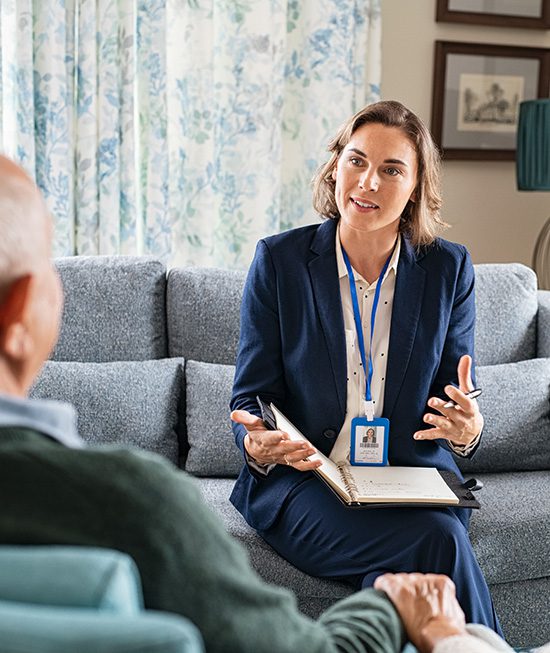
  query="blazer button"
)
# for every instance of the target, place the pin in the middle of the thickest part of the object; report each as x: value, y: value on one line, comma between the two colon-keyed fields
x: 329, y: 433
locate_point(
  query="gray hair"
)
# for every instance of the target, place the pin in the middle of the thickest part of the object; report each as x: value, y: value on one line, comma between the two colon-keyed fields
x: 23, y: 241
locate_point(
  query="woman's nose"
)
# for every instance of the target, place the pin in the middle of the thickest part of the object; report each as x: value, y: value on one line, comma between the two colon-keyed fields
x: 369, y: 181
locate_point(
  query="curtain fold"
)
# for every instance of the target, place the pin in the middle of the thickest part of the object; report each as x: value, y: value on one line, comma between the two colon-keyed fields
x: 186, y: 129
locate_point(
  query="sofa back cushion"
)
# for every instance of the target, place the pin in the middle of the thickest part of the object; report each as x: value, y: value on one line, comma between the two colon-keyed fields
x: 516, y: 406
x: 203, y: 308
x: 134, y: 403
x: 212, y: 448
x: 114, y: 309
x: 506, y: 307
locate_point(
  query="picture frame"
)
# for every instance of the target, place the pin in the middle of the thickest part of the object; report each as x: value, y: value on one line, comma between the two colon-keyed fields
x: 531, y: 14
x: 477, y: 89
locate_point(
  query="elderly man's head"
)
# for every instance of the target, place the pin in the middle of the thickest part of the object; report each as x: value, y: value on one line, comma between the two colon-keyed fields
x: 30, y: 293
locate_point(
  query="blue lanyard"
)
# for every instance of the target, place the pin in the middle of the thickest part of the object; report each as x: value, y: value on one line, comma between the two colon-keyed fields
x: 357, y: 318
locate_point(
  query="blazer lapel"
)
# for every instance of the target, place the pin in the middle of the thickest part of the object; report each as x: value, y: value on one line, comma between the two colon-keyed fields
x: 326, y: 290
x: 407, y: 303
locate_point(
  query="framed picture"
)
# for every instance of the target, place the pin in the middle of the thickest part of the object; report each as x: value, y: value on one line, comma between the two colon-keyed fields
x: 477, y: 91
x: 502, y: 13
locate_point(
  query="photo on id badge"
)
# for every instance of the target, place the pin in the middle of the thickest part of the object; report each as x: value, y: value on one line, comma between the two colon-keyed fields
x: 369, y: 441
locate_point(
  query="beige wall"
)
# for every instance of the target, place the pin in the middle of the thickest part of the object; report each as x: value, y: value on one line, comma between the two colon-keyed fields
x: 495, y: 221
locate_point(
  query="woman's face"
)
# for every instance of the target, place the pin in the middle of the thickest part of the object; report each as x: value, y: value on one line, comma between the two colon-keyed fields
x: 376, y: 175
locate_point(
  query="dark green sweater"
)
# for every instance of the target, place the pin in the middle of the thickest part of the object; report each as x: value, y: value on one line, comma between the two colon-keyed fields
x: 140, y: 504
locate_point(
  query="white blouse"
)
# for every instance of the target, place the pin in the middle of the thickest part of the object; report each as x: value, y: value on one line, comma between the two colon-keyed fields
x: 381, y: 339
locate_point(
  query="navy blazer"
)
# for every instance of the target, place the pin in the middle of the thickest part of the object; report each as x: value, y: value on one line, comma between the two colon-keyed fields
x: 292, y: 350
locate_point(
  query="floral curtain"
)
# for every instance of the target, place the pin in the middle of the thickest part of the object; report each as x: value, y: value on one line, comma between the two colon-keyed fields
x: 186, y: 129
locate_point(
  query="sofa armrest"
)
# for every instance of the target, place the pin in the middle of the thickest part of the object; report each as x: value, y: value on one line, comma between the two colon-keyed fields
x: 543, y: 324
x: 42, y: 629
x: 78, y: 577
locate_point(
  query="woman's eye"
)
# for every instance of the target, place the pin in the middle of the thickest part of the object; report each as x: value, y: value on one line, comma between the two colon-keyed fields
x: 355, y: 161
x: 393, y: 171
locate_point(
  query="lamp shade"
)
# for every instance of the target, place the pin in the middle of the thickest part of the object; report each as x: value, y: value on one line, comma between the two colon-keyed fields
x: 533, y: 145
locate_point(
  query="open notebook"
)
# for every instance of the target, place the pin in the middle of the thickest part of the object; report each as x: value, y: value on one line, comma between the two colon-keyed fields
x: 372, y: 486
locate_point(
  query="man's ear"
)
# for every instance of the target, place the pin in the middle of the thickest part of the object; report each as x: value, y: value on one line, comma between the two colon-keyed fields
x: 15, y: 341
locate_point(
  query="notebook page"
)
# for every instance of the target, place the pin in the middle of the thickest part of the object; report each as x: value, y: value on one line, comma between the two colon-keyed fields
x: 414, y: 484
x: 328, y: 468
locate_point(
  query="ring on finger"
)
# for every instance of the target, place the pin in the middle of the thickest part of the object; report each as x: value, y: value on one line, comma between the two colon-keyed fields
x: 287, y: 460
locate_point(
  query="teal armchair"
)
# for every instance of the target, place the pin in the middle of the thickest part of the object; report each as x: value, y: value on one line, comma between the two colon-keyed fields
x: 56, y: 599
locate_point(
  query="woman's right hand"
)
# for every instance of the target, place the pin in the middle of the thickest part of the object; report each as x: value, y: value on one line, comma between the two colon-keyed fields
x: 268, y: 447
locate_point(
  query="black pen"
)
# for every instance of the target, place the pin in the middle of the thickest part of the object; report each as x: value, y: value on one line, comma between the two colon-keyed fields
x: 471, y: 395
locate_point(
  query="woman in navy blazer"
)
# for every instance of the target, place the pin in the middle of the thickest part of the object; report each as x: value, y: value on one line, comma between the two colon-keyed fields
x: 381, y: 183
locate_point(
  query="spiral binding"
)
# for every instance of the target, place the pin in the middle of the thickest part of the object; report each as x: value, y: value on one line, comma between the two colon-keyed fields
x: 349, y: 483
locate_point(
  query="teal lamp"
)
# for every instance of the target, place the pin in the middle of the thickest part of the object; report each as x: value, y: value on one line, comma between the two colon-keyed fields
x: 533, y: 171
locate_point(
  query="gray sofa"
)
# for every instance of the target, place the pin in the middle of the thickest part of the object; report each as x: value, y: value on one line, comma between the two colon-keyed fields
x: 147, y: 358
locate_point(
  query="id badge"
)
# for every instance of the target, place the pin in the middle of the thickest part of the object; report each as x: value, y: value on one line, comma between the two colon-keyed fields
x: 369, y: 441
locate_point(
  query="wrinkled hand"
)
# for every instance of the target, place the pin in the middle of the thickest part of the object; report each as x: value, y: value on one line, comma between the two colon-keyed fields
x: 267, y: 447
x: 460, y: 424
x: 427, y: 606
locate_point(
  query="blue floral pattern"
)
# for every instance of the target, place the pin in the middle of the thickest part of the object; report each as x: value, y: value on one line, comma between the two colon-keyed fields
x: 186, y: 129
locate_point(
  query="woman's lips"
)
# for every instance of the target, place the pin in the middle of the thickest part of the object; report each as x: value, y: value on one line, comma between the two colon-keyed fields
x: 364, y: 205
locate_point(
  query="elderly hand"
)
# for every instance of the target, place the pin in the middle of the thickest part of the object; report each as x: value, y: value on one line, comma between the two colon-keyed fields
x: 427, y: 606
x: 267, y: 447
x: 460, y: 424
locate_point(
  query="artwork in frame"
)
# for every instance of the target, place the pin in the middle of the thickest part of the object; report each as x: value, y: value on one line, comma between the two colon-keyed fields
x: 477, y: 90
x: 502, y: 13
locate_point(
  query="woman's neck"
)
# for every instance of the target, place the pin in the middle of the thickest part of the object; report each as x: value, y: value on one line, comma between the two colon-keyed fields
x: 368, y: 250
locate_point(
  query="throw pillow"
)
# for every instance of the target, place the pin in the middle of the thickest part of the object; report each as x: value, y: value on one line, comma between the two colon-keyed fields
x: 516, y: 405
x: 212, y: 448
x: 131, y: 403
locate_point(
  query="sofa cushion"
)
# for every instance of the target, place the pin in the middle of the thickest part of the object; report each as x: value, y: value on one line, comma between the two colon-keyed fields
x: 77, y: 577
x: 131, y: 403
x: 114, y: 309
x: 506, y: 307
x: 510, y: 533
x: 516, y: 405
x: 203, y: 307
x: 523, y: 625
x: 212, y: 448
x: 510, y: 536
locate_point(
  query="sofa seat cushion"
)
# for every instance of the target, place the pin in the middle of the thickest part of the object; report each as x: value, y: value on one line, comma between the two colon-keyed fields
x: 314, y: 594
x: 132, y: 403
x: 511, y: 532
x: 115, y: 309
x: 212, y: 448
x: 516, y: 406
x: 510, y: 535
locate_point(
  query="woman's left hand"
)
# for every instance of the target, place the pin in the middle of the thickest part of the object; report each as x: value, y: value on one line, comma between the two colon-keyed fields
x: 460, y: 424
